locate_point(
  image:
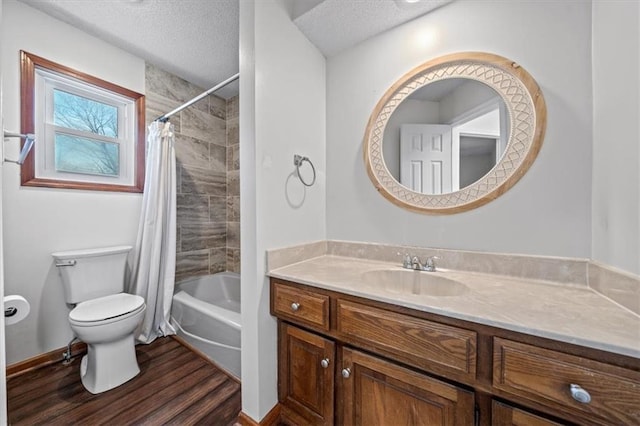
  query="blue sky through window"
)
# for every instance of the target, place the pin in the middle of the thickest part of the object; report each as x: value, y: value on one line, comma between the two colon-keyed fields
x: 83, y: 154
x: 79, y: 113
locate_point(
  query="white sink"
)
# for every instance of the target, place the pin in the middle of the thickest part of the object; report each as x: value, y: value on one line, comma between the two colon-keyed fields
x: 405, y: 281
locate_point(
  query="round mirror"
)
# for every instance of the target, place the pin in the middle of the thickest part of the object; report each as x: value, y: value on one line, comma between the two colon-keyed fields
x: 445, y: 136
x: 455, y: 133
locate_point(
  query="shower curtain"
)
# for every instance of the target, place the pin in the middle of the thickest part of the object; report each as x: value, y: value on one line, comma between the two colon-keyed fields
x: 154, y: 256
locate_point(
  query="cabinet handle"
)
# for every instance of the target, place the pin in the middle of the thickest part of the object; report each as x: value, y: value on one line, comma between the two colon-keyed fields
x: 346, y: 373
x: 295, y: 306
x: 324, y: 363
x: 579, y: 394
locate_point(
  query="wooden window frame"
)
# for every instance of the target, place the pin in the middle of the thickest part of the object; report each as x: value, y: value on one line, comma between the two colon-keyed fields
x: 28, y: 65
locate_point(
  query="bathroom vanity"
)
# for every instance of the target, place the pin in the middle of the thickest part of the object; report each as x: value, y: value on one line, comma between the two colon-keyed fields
x: 518, y: 341
x: 364, y: 342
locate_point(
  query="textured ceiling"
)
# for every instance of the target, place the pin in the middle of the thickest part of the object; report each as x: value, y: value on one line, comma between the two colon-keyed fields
x: 198, y: 39
x: 194, y: 39
x: 335, y: 25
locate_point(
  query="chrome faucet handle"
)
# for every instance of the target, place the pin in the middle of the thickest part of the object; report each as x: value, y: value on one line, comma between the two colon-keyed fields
x: 406, y: 260
x: 430, y: 264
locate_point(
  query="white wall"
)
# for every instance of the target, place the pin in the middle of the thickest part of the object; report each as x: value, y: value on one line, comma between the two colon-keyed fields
x: 39, y: 221
x: 548, y: 212
x: 282, y: 110
x: 616, y: 134
x: 3, y: 376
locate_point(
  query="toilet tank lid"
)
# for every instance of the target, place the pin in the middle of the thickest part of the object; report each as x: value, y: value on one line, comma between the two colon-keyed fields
x: 90, y: 252
x: 106, y: 307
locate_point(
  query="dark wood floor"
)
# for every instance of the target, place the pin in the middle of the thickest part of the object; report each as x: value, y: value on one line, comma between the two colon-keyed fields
x: 175, y: 387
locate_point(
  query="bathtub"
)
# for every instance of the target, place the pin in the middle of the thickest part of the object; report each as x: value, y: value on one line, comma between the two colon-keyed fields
x: 206, y: 313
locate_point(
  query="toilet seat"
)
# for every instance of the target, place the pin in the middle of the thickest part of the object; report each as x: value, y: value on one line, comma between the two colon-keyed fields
x: 107, y: 309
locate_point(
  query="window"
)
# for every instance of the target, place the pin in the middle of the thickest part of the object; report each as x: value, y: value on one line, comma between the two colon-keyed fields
x: 89, y: 132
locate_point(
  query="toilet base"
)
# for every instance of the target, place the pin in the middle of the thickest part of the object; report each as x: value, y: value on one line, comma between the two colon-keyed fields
x: 108, y: 365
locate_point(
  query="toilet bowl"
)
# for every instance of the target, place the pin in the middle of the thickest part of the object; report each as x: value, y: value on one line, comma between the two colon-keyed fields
x: 107, y: 326
x: 104, y: 317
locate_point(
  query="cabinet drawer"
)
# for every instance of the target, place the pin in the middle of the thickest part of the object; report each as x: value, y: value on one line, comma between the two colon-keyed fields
x: 302, y: 306
x: 425, y: 344
x: 545, y: 376
x: 506, y: 415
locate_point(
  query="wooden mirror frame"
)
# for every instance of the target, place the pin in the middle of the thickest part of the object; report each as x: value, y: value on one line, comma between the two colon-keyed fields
x: 527, y: 114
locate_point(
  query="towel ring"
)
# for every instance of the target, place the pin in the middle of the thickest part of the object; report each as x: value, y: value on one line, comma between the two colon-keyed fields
x: 297, y: 161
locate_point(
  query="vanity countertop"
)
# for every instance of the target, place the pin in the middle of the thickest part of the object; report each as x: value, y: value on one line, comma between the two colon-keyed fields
x: 568, y: 313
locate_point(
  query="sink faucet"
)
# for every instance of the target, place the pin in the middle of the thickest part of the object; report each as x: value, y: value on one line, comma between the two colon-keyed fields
x: 413, y: 262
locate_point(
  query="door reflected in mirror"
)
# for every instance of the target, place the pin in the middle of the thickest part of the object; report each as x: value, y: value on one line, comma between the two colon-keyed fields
x: 446, y: 136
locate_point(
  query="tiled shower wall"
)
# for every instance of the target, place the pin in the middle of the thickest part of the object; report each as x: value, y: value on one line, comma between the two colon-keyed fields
x: 233, y: 187
x: 201, y: 159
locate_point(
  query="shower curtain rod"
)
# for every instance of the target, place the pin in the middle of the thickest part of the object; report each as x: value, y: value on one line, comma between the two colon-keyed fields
x: 166, y: 116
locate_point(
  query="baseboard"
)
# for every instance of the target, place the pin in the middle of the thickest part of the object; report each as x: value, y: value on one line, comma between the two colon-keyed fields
x: 271, y: 419
x: 42, y: 360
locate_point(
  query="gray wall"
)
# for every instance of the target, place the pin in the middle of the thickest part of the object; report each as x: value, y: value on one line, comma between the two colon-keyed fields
x: 473, y: 167
x: 205, y: 177
x: 548, y: 212
x: 616, y: 139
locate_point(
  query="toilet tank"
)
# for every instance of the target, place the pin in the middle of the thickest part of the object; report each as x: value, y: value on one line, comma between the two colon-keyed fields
x: 91, y: 273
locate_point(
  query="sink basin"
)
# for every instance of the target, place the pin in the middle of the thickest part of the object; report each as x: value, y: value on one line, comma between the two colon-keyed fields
x: 404, y: 281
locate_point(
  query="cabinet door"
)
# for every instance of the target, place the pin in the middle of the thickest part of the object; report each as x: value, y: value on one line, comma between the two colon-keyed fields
x: 378, y: 392
x: 505, y: 415
x: 306, y: 366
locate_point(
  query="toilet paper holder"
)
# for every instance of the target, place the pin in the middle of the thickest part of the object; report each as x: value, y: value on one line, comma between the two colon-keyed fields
x: 16, y: 309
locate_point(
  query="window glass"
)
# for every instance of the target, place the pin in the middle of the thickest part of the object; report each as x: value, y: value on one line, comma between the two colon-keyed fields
x: 80, y: 113
x: 74, y: 154
x: 89, y: 132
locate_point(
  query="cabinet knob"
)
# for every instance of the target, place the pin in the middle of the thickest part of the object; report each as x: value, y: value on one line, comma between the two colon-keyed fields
x: 295, y: 306
x: 324, y: 363
x: 579, y: 394
x: 346, y: 373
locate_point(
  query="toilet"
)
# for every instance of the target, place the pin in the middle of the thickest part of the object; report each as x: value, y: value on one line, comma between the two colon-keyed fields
x: 104, y: 317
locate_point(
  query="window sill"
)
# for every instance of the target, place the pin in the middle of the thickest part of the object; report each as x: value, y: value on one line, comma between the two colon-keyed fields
x: 51, y: 183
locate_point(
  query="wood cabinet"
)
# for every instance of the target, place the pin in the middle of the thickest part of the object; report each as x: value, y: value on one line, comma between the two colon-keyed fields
x: 379, y: 392
x: 506, y: 415
x: 303, y: 307
x: 553, y: 378
x: 414, y: 341
x: 306, y: 368
x: 352, y: 361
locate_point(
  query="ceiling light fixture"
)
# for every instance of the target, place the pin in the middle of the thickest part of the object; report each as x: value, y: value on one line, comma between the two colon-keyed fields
x: 408, y: 4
